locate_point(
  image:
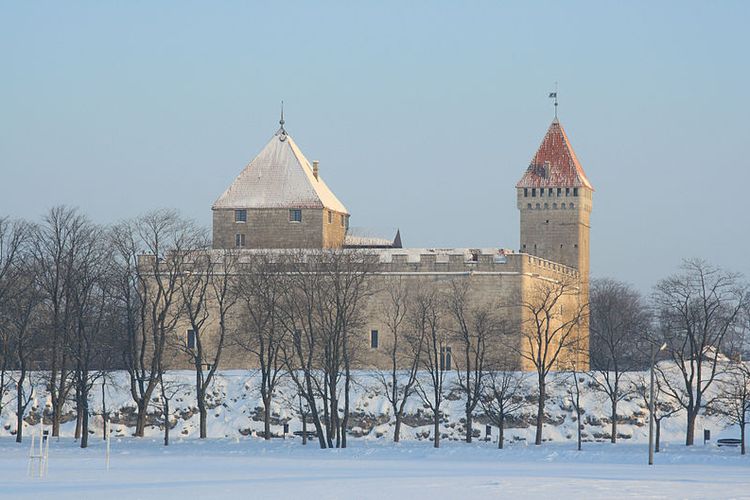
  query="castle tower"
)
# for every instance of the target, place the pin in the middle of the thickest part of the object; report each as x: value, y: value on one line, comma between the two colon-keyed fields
x: 554, y: 197
x: 279, y: 201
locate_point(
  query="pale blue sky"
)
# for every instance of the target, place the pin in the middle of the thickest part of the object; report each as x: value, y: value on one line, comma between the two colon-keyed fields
x: 423, y: 115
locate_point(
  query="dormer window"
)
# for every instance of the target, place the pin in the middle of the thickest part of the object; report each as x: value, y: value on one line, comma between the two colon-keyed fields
x: 240, y: 215
x: 295, y: 215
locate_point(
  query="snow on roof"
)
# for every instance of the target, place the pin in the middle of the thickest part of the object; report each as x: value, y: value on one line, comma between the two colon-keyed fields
x: 555, y: 163
x: 279, y: 177
x: 371, y: 237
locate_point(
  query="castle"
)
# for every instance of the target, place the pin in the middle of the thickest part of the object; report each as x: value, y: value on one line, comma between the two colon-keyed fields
x: 280, y: 202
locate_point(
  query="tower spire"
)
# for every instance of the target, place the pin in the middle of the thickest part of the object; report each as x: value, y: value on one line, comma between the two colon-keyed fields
x: 281, y: 121
x: 553, y: 95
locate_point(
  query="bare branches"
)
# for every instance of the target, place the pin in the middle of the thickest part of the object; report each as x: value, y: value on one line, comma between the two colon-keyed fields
x: 699, y: 312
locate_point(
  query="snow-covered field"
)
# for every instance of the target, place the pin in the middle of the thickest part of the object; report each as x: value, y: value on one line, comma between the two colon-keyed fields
x: 251, y: 468
x: 234, y: 464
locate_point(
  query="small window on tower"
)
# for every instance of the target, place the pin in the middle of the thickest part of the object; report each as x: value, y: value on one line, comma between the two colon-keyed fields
x: 330, y: 217
x: 567, y: 191
x: 575, y: 191
x: 295, y: 215
x: 240, y: 215
x: 191, y: 339
x: 554, y: 206
x: 528, y: 205
x: 549, y: 192
x: 533, y: 192
x: 374, y: 339
x: 541, y: 191
x: 525, y: 192
x: 559, y: 191
x: 572, y: 206
x: 239, y: 240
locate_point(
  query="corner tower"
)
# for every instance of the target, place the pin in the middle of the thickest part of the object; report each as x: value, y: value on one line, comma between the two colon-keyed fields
x: 554, y: 198
x: 279, y: 201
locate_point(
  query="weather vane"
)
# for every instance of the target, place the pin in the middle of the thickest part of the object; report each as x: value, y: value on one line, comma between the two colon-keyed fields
x: 553, y: 95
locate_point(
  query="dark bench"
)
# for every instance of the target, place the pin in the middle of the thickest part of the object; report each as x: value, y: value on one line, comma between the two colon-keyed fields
x: 729, y: 442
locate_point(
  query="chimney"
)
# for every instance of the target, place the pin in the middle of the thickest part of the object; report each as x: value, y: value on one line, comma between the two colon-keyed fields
x: 315, y: 169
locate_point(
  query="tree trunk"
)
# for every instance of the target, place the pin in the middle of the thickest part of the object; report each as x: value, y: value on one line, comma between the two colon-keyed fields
x: 613, y: 439
x: 469, y: 426
x: 397, y: 429
x: 436, y: 440
x: 690, y: 434
x: 501, y: 433
x: 104, y: 414
x: 77, y: 435
x: 19, y: 412
x: 85, y: 426
x: 742, y: 438
x: 266, y: 418
x: 166, y: 422
x: 140, y: 422
x: 658, y: 434
x: 203, y: 417
x: 304, y: 430
x: 540, y: 412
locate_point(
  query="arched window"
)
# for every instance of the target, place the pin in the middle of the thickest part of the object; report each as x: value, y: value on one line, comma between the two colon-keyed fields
x: 562, y: 205
x: 538, y: 206
x: 546, y: 205
x: 528, y: 205
x: 554, y: 206
x: 572, y: 206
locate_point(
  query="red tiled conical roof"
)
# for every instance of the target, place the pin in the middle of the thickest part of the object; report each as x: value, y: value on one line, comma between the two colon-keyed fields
x: 555, y: 163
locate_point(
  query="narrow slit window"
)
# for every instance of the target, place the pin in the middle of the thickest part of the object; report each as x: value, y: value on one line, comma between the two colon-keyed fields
x: 191, y: 339
x: 374, y: 339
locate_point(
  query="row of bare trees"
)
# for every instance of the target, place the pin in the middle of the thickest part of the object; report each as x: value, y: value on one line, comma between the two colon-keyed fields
x: 694, y: 328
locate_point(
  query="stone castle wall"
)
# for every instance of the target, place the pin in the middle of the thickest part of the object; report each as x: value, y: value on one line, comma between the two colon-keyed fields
x: 501, y: 280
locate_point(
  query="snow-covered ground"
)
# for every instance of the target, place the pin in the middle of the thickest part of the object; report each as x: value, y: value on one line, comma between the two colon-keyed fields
x: 252, y: 468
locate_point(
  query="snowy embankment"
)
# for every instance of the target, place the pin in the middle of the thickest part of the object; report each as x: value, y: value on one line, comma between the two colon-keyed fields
x: 236, y: 410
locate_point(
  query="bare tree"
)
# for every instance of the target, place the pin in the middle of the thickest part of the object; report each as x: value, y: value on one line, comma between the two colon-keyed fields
x: 573, y: 381
x: 733, y: 401
x: 698, y: 314
x: 427, y: 322
x: 169, y: 387
x: 208, y: 289
x: 262, y: 288
x: 552, y: 315
x: 618, y: 319
x: 22, y: 325
x: 664, y: 405
x: 398, y: 384
x: 323, y: 310
x: 60, y: 244
x: 89, y: 343
x: 150, y: 259
x: 475, y: 329
x: 503, y: 397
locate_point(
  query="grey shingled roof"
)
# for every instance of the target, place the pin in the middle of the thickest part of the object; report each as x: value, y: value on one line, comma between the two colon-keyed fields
x: 279, y: 177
